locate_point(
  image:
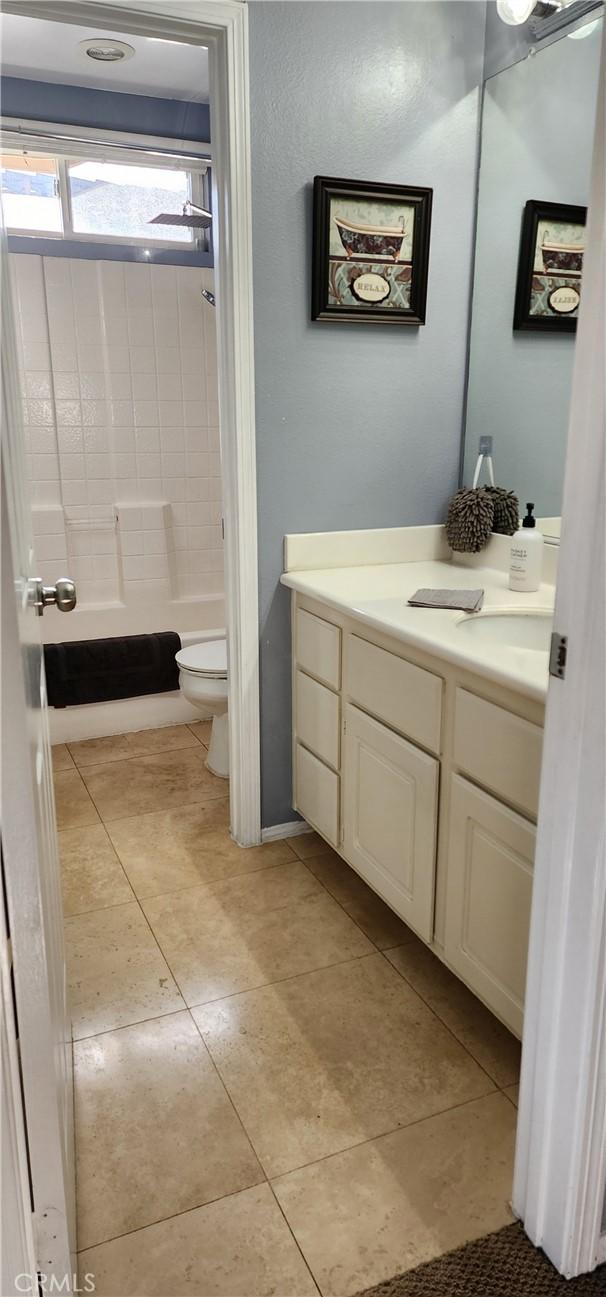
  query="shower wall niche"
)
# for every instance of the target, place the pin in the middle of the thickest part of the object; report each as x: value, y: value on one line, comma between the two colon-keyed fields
x: 122, y: 435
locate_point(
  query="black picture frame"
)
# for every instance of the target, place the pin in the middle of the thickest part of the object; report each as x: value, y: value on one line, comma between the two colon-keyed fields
x: 556, y: 213
x: 327, y: 189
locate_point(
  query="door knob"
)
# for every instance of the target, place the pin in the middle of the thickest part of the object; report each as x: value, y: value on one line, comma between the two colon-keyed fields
x: 63, y: 594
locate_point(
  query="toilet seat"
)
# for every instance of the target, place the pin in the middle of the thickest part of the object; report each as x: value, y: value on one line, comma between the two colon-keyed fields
x: 207, y: 659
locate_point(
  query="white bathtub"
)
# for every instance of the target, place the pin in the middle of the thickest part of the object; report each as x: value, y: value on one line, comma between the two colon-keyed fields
x: 95, y: 720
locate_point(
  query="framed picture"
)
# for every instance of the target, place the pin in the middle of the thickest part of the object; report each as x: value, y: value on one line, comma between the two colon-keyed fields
x: 550, y: 267
x: 370, y: 252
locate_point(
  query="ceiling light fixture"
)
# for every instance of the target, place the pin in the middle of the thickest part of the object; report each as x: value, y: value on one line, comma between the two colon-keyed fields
x: 103, y: 50
x: 544, y: 17
x: 516, y: 12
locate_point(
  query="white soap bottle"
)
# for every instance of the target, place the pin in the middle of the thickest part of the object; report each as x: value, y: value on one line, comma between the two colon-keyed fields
x: 526, y: 555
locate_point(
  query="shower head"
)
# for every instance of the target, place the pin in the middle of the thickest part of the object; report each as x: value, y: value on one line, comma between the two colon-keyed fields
x: 208, y: 296
x: 197, y: 218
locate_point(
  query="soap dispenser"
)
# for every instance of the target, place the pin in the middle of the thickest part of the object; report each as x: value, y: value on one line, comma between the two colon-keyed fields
x: 526, y: 555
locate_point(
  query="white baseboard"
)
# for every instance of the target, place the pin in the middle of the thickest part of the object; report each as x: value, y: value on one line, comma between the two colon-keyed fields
x: 292, y: 830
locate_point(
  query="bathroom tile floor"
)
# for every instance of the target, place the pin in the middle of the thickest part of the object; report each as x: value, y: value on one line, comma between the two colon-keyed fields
x: 279, y: 1089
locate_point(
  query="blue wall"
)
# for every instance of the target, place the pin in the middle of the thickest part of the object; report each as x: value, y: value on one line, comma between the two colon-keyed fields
x: 357, y: 425
x: 44, y: 101
x: 110, y: 110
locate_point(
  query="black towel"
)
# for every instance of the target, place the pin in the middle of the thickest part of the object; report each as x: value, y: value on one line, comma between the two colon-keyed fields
x: 99, y: 670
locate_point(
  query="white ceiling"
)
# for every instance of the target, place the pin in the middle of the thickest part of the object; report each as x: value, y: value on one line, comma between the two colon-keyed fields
x: 49, y: 51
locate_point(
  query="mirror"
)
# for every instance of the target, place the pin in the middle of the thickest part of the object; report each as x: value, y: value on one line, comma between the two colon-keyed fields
x: 537, y: 136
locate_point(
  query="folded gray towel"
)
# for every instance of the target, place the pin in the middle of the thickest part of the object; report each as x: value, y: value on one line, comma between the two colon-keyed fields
x: 466, y: 600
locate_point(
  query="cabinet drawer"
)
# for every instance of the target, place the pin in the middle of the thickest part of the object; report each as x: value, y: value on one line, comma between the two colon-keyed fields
x: 317, y: 794
x: 318, y: 648
x: 406, y: 696
x: 489, y: 892
x: 499, y: 750
x: 318, y: 718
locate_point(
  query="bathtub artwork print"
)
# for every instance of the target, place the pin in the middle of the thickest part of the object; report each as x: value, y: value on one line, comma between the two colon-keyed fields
x: 370, y: 255
x: 550, y: 267
x: 558, y: 267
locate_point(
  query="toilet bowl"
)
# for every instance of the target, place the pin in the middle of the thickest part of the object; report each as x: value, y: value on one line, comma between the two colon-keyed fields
x: 203, y: 681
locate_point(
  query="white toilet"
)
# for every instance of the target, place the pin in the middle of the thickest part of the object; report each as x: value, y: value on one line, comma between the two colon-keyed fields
x: 203, y: 681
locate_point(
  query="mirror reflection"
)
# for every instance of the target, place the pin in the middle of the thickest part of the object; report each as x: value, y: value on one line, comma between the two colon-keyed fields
x: 537, y: 133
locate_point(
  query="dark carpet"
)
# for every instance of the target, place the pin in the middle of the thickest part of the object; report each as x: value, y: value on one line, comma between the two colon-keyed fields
x: 504, y: 1264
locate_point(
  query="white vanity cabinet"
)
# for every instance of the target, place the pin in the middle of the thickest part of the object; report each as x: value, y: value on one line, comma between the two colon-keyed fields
x: 425, y: 778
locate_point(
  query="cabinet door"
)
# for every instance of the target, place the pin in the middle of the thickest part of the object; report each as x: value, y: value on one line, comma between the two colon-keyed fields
x: 390, y: 801
x: 489, y: 891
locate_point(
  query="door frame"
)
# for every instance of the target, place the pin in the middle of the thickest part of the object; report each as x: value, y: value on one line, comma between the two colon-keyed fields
x: 222, y: 26
x: 560, y: 1174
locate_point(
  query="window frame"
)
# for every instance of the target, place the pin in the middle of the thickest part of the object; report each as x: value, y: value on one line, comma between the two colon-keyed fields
x: 43, y: 140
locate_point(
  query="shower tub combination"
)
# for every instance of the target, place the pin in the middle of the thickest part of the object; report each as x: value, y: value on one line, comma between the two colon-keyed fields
x: 195, y: 621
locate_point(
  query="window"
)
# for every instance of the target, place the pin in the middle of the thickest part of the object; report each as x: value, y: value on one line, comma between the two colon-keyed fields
x: 30, y: 193
x: 99, y: 199
x: 111, y: 199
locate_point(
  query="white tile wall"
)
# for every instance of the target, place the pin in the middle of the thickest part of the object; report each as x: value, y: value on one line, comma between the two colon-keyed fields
x: 121, y: 420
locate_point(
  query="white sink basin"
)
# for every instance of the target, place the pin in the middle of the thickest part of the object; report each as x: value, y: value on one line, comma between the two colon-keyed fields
x: 511, y: 628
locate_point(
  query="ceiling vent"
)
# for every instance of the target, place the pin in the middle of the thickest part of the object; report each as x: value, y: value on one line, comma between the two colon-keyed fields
x: 104, y: 50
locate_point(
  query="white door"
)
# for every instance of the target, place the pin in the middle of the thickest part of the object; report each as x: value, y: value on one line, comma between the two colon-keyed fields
x: 17, y: 1251
x: 390, y: 809
x: 490, y: 866
x: 30, y: 854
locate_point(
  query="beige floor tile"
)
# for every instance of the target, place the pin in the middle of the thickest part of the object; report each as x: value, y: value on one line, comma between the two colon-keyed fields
x: 91, y: 874
x: 202, y: 730
x: 323, y: 1061
x: 238, y: 1247
x: 116, y: 974
x: 72, y: 801
x: 118, y: 747
x: 168, y: 850
x: 307, y: 844
x: 61, y: 757
x: 152, y: 783
x: 230, y: 936
x: 368, y: 1213
x: 471, y: 1022
x: 372, y: 915
x: 513, y: 1093
x: 156, y: 1133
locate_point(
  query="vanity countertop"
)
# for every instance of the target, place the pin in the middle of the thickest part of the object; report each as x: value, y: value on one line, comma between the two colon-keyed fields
x: 377, y: 595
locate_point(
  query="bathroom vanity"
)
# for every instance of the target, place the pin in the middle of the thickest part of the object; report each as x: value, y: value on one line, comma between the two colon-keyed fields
x: 417, y: 737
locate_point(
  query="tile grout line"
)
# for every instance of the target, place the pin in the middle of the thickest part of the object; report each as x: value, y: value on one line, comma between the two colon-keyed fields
x: 232, y: 1104
x: 126, y: 756
x: 117, y: 819
x: 189, y: 725
x: 379, y: 949
x: 96, y: 909
x: 291, y: 1231
x: 90, y: 823
x: 175, y: 1215
x: 213, y: 882
x: 130, y: 756
x: 383, y: 1134
x: 444, y: 1024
